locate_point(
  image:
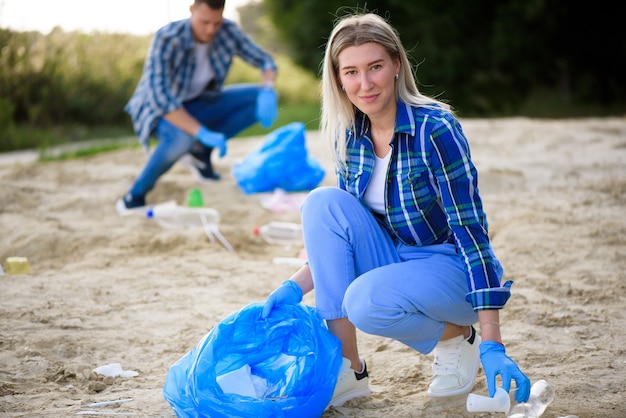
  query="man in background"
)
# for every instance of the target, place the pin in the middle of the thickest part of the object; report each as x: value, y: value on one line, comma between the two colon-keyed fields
x: 181, y: 99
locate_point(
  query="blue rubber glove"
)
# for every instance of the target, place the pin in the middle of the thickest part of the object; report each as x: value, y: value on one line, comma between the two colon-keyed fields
x: 266, y: 106
x: 496, y: 362
x: 289, y: 293
x: 212, y: 139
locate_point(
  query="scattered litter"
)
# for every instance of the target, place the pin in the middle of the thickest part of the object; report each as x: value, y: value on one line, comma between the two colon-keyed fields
x: 171, y: 215
x: 17, y: 265
x: 281, y: 201
x: 105, y: 403
x: 281, y: 233
x: 114, y: 370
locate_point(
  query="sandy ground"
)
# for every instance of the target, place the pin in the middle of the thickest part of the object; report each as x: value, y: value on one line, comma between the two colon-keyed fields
x: 108, y: 289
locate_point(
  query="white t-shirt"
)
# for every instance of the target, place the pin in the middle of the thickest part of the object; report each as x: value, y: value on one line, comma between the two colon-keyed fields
x: 203, y: 72
x: 375, y: 193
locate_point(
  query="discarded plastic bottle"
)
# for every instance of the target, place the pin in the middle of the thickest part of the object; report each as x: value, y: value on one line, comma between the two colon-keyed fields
x: 281, y: 233
x: 541, y: 395
x: 171, y: 215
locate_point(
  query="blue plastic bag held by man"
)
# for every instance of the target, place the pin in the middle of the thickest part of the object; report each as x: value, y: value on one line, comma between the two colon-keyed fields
x: 285, y: 365
x: 281, y: 162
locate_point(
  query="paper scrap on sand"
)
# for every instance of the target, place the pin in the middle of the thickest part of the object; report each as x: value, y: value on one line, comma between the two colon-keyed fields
x: 114, y: 370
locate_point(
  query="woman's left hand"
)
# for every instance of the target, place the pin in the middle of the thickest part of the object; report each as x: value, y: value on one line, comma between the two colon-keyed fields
x: 496, y: 362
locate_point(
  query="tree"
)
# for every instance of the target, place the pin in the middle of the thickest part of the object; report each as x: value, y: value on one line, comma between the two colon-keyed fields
x: 486, y: 57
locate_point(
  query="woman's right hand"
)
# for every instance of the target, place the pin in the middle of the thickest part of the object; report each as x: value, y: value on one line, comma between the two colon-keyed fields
x: 289, y: 293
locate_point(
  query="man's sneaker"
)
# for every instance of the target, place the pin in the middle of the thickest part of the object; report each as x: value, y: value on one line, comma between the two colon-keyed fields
x: 455, y: 366
x: 130, y: 204
x: 202, y: 171
x: 350, y: 384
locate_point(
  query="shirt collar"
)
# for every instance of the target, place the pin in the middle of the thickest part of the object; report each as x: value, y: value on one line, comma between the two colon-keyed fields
x: 405, y: 123
x: 187, y: 38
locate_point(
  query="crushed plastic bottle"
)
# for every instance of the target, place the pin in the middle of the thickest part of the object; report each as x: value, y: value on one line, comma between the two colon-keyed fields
x: 281, y: 233
x: 171, y: 215
x: 541, y: 395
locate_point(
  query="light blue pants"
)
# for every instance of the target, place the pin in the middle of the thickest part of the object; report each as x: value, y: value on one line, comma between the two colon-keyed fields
x: 228, y: 111
x: 382, y: 286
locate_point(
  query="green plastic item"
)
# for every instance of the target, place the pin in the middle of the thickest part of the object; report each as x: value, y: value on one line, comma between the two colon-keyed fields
x: 195, y: 199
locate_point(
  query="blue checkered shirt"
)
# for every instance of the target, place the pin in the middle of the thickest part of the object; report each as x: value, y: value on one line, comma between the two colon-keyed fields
x: 431, y: 193
x: 169, y: 68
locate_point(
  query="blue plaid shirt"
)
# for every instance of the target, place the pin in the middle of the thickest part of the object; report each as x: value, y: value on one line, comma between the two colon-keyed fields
x: 169, y: 68
x: 431, y: 193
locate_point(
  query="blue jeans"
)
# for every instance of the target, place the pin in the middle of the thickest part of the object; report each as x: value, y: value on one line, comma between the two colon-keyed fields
x: 228, y: 111
x: 382, y: 286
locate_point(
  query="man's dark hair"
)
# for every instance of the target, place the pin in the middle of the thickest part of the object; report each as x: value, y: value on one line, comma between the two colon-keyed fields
x: 213, y: 4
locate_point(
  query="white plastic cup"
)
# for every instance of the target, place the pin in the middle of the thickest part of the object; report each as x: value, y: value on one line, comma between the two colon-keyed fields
x: 499, y: 403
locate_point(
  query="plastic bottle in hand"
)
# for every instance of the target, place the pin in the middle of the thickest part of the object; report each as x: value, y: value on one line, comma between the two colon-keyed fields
x: 541, y: 395
x: 282, y: 233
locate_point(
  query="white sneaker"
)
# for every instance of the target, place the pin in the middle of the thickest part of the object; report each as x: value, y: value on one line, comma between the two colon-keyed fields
x: 350, y: 384
x: 455, y: 366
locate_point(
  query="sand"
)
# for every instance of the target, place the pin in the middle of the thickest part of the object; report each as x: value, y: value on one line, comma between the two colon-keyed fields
x: 107, y: 289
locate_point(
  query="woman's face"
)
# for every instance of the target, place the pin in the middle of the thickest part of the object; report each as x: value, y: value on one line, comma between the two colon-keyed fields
x: 367, y: 74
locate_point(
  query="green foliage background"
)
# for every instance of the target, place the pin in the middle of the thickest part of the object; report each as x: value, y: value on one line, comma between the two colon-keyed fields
x: 488, y: 58
x: 65, y: 87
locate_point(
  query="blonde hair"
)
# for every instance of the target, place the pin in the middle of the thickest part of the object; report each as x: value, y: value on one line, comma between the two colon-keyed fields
x: 338, y: 113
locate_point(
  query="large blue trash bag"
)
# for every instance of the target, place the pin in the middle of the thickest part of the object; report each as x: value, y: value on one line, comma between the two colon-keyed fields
x: 291, y: 359
x: 281, y: 162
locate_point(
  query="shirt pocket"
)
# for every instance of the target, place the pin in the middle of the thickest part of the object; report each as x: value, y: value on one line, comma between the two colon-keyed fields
x: 415, y: 186
x: 353, y: 180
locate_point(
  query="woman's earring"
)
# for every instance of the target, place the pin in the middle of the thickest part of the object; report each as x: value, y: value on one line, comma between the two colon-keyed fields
x: 343, y: 88
x: 396, y: 76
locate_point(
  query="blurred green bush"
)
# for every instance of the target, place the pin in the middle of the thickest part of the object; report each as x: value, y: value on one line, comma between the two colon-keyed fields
x: 60, y: 87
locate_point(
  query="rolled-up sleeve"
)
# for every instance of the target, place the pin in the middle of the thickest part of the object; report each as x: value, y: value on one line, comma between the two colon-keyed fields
x: 490, y: 298
x: 458, y: 184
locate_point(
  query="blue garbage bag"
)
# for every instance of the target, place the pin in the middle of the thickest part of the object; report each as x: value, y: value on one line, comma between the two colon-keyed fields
x: 282, y: 162
x: 290, y: 360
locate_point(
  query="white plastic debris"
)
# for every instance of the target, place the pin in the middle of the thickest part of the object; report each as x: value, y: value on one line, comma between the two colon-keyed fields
x: 114, y: 370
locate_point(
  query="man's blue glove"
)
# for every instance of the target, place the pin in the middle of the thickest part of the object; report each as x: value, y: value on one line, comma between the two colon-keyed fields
x: 266, y: 106
x: 289, y: 293
x: 496, y: 362
x: 212, y: 139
